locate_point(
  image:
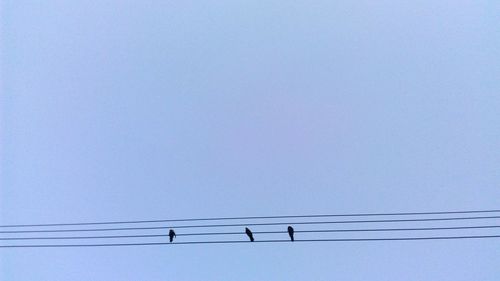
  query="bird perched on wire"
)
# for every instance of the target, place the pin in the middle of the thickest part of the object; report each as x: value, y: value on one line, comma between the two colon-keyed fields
x: 249, y: 233
x: 290, y: 232
x: 171, y: 235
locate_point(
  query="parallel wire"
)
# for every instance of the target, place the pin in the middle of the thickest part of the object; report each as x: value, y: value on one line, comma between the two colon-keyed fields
x: 254, y: 217
x: 263, y: 241
x: 252, y: 224
x: 255, y: 232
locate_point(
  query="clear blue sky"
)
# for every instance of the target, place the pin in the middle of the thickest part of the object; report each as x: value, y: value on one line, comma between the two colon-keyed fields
x: 116, y: 110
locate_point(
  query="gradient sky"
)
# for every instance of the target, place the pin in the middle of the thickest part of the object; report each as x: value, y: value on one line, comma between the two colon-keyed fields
x: 122, y: 110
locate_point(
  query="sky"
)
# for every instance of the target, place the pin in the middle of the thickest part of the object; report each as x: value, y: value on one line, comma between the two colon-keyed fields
x: 131, y: 110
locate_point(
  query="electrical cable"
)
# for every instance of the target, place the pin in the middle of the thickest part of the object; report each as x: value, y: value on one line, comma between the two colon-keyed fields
x: 263, y: 241
x: 254, y: 217
x: 255, y: 232
x: 253, y: 224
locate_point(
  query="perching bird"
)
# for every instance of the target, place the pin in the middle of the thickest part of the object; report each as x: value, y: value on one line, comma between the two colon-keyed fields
x: 290, y: 232
x: 249, y: 233
x: 171, y: 234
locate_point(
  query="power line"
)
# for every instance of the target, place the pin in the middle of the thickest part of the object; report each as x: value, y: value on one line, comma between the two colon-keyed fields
x: 255, y: 232
x: 252, y: 224
x: 263, y: 241
x: 255, y: 217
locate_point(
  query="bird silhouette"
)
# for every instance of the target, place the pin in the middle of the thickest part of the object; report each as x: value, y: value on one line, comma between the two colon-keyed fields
x: 249, y: 233
x: 171, y: 234
x: 290, y: 232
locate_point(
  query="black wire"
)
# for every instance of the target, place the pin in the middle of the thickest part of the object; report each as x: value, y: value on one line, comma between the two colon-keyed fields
x: 254, y: 232
x: 263, y: 241
x: 256, y: 217
x: 252, y: 224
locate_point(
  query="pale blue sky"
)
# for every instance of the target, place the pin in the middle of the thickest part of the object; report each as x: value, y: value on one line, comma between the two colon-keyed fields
x: 118, y: 110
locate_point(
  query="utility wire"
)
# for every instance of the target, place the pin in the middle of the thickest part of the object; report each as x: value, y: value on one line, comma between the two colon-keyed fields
x: 253, y: 224
x: 255, y: 217
x: 263, y: 241
x: 254, y: 232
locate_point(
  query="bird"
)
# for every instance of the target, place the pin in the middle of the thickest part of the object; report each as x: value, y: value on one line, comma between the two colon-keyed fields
x: 290, y: 232
x: 249, y: 233
x: 171, y: 234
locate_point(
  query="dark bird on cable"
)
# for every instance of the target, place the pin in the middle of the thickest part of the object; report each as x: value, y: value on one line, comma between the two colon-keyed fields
x: 249, y: 233
x: 171, y: 234
x: 290, y: 232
